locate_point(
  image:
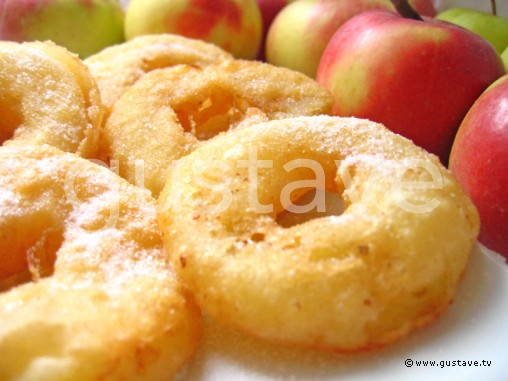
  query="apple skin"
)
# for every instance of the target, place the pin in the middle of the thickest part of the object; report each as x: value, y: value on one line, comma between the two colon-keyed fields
x: 424, y: 7
x: 234, y: 25
x: 269, y: 9
x: 300, y: 32
x: 82, y: 26
x: 479, y: 161
x: 418, y: 78
x: 492, y: 28
x: 504, y: 57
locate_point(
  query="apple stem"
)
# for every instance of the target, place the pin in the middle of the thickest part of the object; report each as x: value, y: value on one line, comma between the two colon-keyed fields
x: 406, y: 10
x: 494, y: 8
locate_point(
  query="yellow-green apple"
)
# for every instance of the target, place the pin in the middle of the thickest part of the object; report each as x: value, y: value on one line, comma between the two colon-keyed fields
x: 82, y: 26
x: 300, y: 32
x: 479, y: 161
x: 491, y: 27
x: 269, y: 9
x: 234, y: 25
x: 504, y: 57
x: 419, y: 78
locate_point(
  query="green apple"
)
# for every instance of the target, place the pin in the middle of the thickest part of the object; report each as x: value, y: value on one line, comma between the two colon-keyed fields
x: 234, y: 25
x: 83, y: 27
x: 492, y: 28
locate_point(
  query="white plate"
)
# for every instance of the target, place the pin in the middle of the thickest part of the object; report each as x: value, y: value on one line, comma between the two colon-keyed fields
x: 475, y: 328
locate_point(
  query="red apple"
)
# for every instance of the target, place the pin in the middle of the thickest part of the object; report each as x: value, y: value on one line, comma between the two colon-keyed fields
x: 424, y: 7
x: 419, y: 78
x: 479, y: 161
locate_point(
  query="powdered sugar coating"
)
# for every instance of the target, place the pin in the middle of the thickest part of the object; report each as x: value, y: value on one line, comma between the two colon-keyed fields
x: 170, y: 111
x: 104, y: 301
x: 119, y: 67
x: 48, y: 96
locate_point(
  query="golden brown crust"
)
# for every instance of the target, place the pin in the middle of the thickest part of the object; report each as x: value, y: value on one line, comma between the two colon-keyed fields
x: 167, y: 113
x: 387, y: 265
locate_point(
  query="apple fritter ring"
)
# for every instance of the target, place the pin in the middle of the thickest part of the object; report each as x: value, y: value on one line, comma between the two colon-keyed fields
x: 48, y: 96
x: 118, y: 67
x: 170, y: 111
x: 86, y: 289
x: 390, y: 263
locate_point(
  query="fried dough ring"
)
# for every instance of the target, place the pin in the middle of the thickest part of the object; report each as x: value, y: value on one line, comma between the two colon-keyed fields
x: 118, y: 67
x: 105, y: 303
x: 166, y: 114
x: 349, y: 282
x: 48, y: 96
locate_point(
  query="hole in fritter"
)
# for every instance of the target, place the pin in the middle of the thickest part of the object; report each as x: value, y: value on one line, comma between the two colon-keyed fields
x: 311, y: 205
x: 12, y: 118
x: 217, y: 113
x: 31, y: 261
